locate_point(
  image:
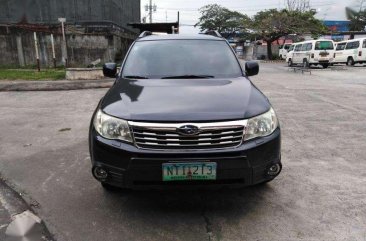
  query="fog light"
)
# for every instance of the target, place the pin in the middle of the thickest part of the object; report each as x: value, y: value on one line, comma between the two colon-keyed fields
x: 100, y: 173
x: 274, y: 170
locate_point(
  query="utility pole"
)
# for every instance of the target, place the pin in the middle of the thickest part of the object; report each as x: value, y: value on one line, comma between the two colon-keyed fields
x: 150, y: 11
x: 150, y: 8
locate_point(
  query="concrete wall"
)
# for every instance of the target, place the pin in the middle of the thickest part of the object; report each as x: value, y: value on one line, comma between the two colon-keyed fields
x: 119, y: 12
x: 19, y: 49
x: 254, y: 52
x: 261, y: 51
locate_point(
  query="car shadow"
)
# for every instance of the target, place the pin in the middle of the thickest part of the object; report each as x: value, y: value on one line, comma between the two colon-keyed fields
x: 228, y: 201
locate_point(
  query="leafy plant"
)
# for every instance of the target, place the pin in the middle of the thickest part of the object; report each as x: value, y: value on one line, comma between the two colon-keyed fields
x: 270, y: 25
x: 216, y: 17
x: 357, y: 18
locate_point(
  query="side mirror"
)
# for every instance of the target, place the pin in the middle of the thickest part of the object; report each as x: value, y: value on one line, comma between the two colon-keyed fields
x: 251, y: 68
x: 110, y: 70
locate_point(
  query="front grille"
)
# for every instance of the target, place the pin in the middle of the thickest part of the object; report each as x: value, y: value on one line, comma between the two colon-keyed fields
x: 210, y: 136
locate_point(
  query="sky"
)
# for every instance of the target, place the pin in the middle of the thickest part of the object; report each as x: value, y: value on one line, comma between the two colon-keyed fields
x: 189, y: 14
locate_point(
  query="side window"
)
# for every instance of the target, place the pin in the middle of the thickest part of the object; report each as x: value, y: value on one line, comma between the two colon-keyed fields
x: 291, y: 48
x: 298, y: 48
x: 309, y: 47
x: 364, y: 44
x: 353, y: 45
x: 304, y: 47
x: 287, y: 46
x: 341, y: 46
x: 349, y: 45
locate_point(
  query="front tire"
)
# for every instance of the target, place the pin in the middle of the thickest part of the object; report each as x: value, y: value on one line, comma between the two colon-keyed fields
x: 305, y: 64
x: 289, y: 63
x: 350, y: 61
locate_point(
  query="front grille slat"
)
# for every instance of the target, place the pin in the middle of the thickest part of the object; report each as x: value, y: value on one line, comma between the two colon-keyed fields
x: 140, y: 139
x: 204, y: 134
x: 217, y: 136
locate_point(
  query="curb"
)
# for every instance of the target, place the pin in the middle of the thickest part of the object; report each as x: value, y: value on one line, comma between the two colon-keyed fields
x: 272, y: 61
x: 54, y: 85
x: 18, y: 208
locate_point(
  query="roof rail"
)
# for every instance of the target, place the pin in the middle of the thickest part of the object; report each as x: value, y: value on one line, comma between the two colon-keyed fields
x: 145, y: 33
x: 214, y: 33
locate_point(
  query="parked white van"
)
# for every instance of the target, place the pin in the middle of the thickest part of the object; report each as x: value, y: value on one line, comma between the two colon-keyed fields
x: 284, y: 49
x: 350, y: 52
x: 313, y: 52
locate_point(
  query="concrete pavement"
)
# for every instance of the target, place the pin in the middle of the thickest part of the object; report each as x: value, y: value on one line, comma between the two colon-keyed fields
x: 17, y: 219
x: 320, y: 195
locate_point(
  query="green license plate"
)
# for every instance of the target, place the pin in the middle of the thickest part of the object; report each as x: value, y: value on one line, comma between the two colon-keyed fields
x: 189, y: 171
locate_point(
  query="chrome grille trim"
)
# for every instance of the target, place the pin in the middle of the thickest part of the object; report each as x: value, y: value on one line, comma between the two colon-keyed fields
x: 164, y: 136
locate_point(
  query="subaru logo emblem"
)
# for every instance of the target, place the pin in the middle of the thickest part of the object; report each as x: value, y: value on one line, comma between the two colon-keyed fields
x: 188, y: 130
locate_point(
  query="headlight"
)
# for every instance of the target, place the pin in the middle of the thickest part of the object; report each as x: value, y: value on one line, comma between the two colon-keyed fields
x: 262, y: 125
x: 111, y: 127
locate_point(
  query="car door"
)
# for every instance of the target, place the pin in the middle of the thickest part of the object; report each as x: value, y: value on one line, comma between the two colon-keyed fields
x: 308, y: 50
x: 297, y: 54
x: 339, y: 53
x: 363, y: 58
x: 286, y: 48
x: 352, y: 50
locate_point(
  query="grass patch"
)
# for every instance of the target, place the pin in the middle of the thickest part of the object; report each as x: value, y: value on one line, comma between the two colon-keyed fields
x: 31, y: 74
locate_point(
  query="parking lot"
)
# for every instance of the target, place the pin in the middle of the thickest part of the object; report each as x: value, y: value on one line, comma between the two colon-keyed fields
x: 320, y: 194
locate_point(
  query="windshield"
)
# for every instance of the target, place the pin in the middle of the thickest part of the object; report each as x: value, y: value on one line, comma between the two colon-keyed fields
x: 324, y: 45
x: 174, y: 58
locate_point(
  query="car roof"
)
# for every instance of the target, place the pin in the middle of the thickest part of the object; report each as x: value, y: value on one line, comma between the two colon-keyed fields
x: 356, y: 39
x: 179, y: 37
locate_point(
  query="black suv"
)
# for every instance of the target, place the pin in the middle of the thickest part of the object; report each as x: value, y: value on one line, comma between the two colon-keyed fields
x: 183, y: 112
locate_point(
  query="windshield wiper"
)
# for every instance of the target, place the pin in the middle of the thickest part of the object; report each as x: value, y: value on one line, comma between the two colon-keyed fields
x: 189, y: 77
x: 134, y: 77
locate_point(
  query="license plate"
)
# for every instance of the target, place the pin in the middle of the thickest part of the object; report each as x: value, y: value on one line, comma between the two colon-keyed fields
x: 189, y: 171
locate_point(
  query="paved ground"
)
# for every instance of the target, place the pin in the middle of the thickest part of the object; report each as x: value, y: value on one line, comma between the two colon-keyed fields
x: 320, y: 195
x: 17, y: 220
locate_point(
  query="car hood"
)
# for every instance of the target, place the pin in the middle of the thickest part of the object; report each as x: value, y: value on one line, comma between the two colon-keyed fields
x: 184, y: 100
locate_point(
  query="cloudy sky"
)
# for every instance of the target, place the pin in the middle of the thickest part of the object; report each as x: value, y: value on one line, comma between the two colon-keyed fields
x: 189, y: 14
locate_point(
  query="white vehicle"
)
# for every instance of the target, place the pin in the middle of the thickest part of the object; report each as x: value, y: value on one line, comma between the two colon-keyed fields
x: 290, y: 54
x: 284, y: 49
x: 313, y: 52
x: 350, y: 52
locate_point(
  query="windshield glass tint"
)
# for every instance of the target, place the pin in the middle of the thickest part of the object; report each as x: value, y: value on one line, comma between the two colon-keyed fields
x: 324, y: 45
x: 164, y: 58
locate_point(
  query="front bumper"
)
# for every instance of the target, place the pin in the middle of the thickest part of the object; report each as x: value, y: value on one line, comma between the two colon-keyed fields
x: 131, y: 167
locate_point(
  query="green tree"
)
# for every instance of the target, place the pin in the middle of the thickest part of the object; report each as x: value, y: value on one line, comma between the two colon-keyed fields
x: 357, y: 18
x: 272, y: 24
x: 216, y: 17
